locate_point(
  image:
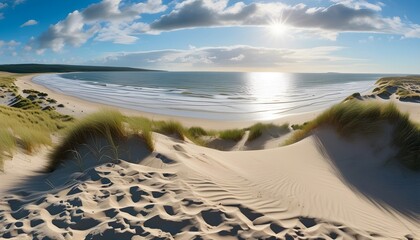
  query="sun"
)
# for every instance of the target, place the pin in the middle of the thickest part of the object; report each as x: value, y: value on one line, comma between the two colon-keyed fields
x: 277, y: 27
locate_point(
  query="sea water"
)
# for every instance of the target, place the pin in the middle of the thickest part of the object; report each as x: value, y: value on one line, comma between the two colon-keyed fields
x: 212, y: 95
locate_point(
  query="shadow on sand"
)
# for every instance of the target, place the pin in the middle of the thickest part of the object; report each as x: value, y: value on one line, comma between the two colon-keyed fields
x: 366, y: 165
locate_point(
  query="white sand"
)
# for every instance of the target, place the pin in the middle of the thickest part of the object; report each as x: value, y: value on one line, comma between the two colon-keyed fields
x: 323, y: 186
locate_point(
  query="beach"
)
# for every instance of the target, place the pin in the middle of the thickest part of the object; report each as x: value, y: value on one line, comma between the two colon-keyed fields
x: 325, y: 186
x: 78, y: 107
x: 209, y: 120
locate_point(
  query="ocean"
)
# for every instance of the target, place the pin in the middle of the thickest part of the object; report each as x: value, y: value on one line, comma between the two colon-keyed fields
x: 212, y: 95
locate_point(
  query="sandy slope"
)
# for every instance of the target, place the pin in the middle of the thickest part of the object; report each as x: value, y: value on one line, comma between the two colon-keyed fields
x: 323, y: 186
x: 334, y: 188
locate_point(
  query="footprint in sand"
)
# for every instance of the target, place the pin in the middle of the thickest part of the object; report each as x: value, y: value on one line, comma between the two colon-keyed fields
x: 164, y: 159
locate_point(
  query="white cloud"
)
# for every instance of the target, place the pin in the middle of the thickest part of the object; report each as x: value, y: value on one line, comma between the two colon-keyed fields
x: 29, y: 23
x: 17, y: 2
x: 359, y: 4
x: 108, y: 20
x: 238, y: 58
x: 227, y: 58
x: 8, y: 47
x: 413, y: 32
x: 342, y: 16
x: 120, y: 22
x: 12, y: 43
x: 4, y: 4
x: 9, y: 44
x: 70, y: 31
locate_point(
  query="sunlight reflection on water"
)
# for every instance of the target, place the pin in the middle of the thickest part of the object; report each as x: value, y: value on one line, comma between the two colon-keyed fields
x: 212, y: 95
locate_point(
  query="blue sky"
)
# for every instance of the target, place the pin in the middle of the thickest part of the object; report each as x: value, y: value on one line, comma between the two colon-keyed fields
x: 215, y: 35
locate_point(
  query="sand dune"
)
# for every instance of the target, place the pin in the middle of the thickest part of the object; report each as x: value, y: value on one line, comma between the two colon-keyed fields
x: 184, y: 191
x: 323, y: 187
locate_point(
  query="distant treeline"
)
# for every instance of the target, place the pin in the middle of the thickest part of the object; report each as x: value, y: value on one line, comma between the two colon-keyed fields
x: 45, y: 68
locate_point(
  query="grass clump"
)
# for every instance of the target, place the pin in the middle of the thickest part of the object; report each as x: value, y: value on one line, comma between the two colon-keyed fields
x: 7, y: 144
x: 197, y: 132
x: 232, y: 134
x: 107, y: 124
x: 404, y: 87
x: 353, y: 117
x: 24, y: 103
x: 354, y: 96
x: 28, y: 129
x: 143, y: 126
x: 170, y: 128
x: 23, y: 124
x: 138, y: 124
x: 256, y: 130
x: 299, y: 126
x: 7, y: 80
x: 30, y: 138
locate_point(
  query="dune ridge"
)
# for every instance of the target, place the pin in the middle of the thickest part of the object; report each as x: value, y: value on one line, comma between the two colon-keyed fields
x: 325, y: 186
x: 182, y: 191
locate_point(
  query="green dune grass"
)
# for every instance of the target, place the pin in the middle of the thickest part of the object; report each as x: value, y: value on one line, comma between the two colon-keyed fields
x: 107, y: 124
x: 170, y: 128
x: 110, y: 125
x: 28, y: 129
x: 232, y: 134
x: 401, y: 86
x: 144, y: 127
x: 356, y: 117
x: 256, y: 130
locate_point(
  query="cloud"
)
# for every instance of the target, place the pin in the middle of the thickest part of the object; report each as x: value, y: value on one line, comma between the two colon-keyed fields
x: 29, y: 23
x: 11, y: 44
x: 226, y: 58
x: 70, y: 31
x: 108, y: 20
x: 8, y: 46
x: 359, y: 4
x: 113, y: 10
x: 238, y: 58
x: 343, y: 16
x: 17, y: 2
x: 120, y: 21
x: 204, y: 13
x: 413, y: 32
x: 4, y: 4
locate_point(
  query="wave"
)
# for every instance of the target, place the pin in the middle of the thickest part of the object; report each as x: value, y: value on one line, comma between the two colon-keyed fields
x: 219, y: 104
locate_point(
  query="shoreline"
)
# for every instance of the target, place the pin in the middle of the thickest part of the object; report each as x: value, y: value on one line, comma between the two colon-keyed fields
x: 78, y: 107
